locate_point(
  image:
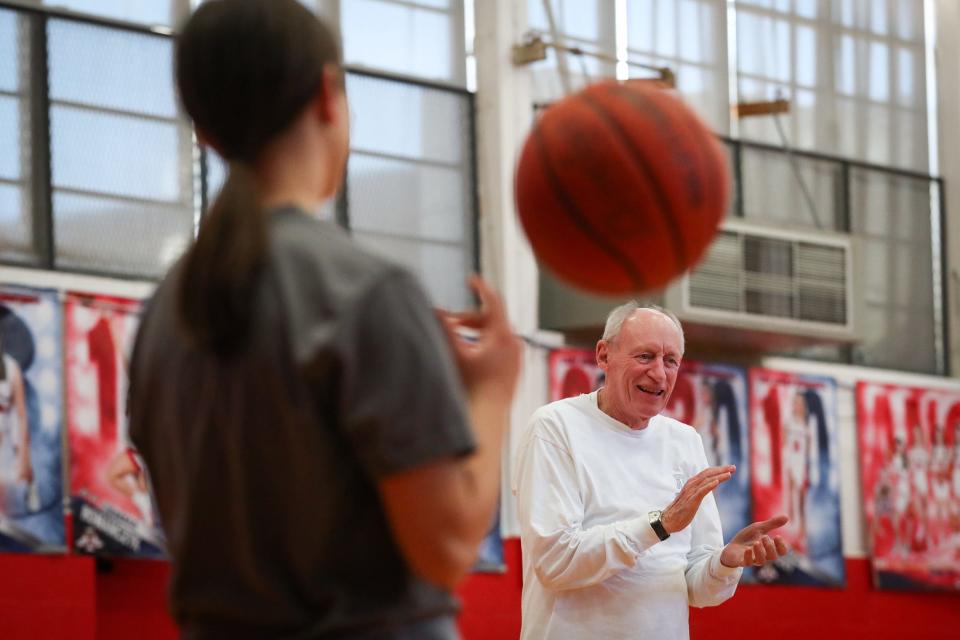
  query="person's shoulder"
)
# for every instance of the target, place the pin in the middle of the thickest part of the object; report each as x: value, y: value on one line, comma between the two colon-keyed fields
x: 681, y: 431
x: 320, y: 246
x: 319, y: 260
x: 559, y: 408
x: 552, y: 419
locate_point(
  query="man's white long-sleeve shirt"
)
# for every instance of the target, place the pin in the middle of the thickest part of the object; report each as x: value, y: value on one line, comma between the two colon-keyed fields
x: 593, y: 567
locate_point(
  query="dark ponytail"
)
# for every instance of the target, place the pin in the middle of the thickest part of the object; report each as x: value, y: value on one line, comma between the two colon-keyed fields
x: 245, y: 70
x: 221, y: 270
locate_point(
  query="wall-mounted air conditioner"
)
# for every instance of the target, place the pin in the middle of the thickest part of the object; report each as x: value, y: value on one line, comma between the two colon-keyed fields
x: 790, y: 286
x: 758, y: 286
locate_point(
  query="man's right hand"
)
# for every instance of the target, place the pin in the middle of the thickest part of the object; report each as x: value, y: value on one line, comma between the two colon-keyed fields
x: 681, y: 511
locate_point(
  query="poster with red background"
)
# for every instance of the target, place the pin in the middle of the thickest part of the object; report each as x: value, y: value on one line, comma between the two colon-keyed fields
x: 793, y: 451
x: 910, y: 471
x: 113, y: 513
x: 573, y: 371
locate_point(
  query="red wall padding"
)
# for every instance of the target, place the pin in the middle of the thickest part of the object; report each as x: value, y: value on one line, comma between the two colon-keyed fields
x: 47, y: 597
x: 64, y: 597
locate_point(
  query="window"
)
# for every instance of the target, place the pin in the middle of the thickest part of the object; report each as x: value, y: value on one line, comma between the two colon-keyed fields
x: 410, y: 185
x: 890, y: 218
x: 852, y: 69
x: 16, y: 222
x: 687, y: 37
x: 419, y: 38
x: 854, y: 73
x: 146, y: 12
x: 586, y: 24
x: 121, y: 156
x: 124, y: 172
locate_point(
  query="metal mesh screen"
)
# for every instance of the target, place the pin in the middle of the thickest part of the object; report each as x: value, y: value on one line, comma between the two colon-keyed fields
x: 775, y: 277
x: 410, y: 181
x: 772, y: 192
x: 715, y: 283
x: 422, y: 38
x: 121, y: 157
x: 150, y: 12
x: 891, y: 215
x: 821, y: 283
x: 122, y: 180
x: 410, y: 185
x: 16, y: 222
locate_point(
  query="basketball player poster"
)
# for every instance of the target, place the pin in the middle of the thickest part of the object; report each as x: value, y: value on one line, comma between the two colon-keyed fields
x: 910, y: 466
x: 113, y: 513
x: 573, y: 371
x: 713, y: 399
x: 793, y: 452
x: 31, y: 478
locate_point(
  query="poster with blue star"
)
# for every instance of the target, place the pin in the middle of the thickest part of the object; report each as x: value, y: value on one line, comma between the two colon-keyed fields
x: 31, y: 419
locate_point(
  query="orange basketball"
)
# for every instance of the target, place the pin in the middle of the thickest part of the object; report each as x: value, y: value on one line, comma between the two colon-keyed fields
x: 620, y: 188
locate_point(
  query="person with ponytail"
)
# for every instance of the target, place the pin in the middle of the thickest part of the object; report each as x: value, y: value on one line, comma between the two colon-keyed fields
x: 323, y: 447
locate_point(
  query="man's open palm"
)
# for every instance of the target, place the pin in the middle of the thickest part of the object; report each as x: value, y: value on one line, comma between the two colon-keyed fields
x: 753, y: 546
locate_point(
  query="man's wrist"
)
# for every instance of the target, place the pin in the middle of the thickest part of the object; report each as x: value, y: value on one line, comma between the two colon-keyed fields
x: 722, y: 571
x: 665, y: 521
x: 656, y: 523
x: 723, y: 552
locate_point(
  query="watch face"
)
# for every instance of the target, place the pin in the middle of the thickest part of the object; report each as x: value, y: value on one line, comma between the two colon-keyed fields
x: 654, y: 515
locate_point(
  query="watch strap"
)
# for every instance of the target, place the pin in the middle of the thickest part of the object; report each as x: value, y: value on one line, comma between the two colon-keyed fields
x: 657, y: 526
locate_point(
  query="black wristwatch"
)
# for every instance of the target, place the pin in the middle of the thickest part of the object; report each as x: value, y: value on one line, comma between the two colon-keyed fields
x: 658, y: 525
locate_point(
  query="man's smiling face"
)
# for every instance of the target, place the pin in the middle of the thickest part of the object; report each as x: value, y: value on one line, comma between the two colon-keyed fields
x: 641, y: 364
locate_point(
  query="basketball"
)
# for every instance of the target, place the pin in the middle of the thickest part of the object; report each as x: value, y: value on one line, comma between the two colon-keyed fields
x: 620, y: 188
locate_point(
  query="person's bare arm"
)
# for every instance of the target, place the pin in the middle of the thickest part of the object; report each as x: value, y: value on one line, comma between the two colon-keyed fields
x: 440, y: 512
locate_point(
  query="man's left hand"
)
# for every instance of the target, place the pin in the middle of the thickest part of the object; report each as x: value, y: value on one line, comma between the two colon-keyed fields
x: 753, y: 546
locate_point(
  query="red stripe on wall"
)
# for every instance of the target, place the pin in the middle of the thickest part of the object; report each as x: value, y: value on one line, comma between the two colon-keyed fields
x: 63, y: 597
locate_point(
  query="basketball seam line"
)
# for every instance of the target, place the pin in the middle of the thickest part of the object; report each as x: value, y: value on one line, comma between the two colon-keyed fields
x: 573, y: 212
x: 697, y: 188
x: 680, y: 254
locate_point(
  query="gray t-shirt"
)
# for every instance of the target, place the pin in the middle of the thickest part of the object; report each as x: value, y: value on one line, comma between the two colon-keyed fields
x: 265, y: 466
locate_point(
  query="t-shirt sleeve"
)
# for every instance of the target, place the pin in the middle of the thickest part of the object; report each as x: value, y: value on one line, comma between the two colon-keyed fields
x: 401, y: 400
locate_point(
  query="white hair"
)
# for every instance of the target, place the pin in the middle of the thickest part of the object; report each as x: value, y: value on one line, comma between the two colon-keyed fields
x: 618, y: 315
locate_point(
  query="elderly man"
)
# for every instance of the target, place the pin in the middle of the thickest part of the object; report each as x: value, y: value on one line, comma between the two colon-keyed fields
x: 619, y: 529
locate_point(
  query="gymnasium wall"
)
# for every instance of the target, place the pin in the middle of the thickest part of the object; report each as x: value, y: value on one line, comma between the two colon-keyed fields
x: 71, y: 597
